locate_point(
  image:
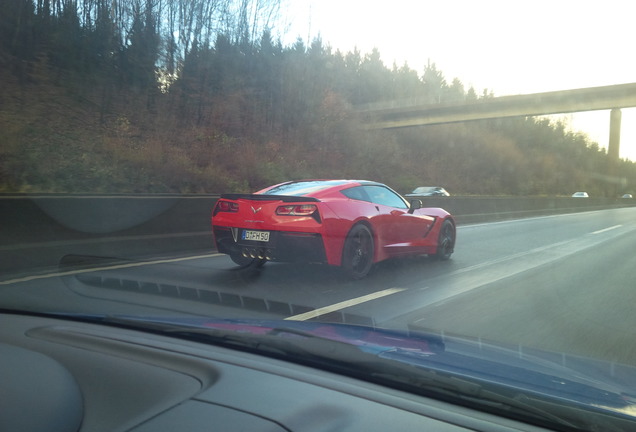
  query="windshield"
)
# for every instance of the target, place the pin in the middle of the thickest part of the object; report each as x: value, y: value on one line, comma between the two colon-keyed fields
x: 424, y: 189
x: 141, y: 143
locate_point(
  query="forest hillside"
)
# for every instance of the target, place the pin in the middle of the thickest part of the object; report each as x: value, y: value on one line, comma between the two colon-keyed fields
x: 198, y: 96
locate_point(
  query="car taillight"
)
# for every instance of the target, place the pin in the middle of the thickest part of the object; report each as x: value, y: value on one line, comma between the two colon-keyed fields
x: 296, y: 210
x: 310, y: 210
x: 226, y: 206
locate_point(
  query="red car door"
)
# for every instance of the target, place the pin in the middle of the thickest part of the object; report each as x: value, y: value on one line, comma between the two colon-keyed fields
x: 398, y: 230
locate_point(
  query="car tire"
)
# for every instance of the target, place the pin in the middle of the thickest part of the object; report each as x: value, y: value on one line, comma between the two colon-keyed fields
x: 358, y: 251
x: 246, y: 262
x: 446, y: 241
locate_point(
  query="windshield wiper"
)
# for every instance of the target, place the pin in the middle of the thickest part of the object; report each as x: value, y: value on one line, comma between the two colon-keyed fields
x: 281, y: 341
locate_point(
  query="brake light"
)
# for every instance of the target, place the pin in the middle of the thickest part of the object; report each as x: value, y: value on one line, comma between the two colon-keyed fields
x: 226, y: 206
x: 296, y: 210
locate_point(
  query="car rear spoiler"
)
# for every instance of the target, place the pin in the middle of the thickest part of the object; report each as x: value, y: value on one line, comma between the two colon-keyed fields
x: 259, y: 197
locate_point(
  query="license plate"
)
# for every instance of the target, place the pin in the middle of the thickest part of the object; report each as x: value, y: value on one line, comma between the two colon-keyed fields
x: 261, y: 236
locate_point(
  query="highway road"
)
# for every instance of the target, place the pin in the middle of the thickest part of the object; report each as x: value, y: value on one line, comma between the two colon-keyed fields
x: 565, y: 283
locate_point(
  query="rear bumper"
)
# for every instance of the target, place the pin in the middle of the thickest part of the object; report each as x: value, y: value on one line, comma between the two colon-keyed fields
x: 284, y: 246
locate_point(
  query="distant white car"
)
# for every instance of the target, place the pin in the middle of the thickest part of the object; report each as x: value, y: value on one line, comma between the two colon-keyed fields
x: 628, y: 196
x: 580, y: 195
x: 428, y: 191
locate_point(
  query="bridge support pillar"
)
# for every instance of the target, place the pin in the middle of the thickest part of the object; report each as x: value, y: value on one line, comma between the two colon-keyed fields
x: 613, y: 151
x: 615, y: 136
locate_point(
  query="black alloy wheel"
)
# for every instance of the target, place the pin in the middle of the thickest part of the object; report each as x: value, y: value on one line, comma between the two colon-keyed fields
x: 446, y: 241
x: 357, y: 254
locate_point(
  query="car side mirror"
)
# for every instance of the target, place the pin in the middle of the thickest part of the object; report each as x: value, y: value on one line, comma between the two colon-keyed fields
x: 414, y: 205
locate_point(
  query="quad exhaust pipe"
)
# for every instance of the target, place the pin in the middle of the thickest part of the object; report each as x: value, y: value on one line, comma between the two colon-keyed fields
x: 255, y: 253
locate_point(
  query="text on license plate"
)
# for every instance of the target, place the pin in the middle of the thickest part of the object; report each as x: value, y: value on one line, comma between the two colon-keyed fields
x: 262, y: 236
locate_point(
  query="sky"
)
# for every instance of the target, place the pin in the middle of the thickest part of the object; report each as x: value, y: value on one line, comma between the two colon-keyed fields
x: 505, y: 46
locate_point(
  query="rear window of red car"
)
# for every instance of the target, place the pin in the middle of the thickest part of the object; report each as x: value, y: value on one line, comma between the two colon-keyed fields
x: 302, y: 188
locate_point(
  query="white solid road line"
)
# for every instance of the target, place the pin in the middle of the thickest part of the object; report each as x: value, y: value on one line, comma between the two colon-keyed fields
x: 112, y: 267
x: 345, y: 304
x: 102, y: 240
x: 607, y: 229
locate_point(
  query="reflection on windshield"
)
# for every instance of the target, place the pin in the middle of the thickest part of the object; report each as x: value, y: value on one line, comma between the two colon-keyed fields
x: 125, y: 123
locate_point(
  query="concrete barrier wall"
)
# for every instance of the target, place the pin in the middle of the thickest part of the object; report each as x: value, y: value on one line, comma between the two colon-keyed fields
x: 35, y: 232
x: 485, y: 209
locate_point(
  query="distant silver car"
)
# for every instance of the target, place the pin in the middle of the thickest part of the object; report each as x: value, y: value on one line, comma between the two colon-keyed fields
x: 580, y: 195
x: 628, y: 196
x: 428, y: 191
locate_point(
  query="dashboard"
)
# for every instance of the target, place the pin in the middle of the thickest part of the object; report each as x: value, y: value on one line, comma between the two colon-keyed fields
x: 65, y: 376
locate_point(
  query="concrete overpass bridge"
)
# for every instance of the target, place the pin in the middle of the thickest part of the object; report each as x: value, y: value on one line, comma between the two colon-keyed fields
x: 613, y: 98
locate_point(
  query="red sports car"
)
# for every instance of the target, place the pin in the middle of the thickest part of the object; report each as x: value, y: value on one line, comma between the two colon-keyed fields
x: 347, y: 223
